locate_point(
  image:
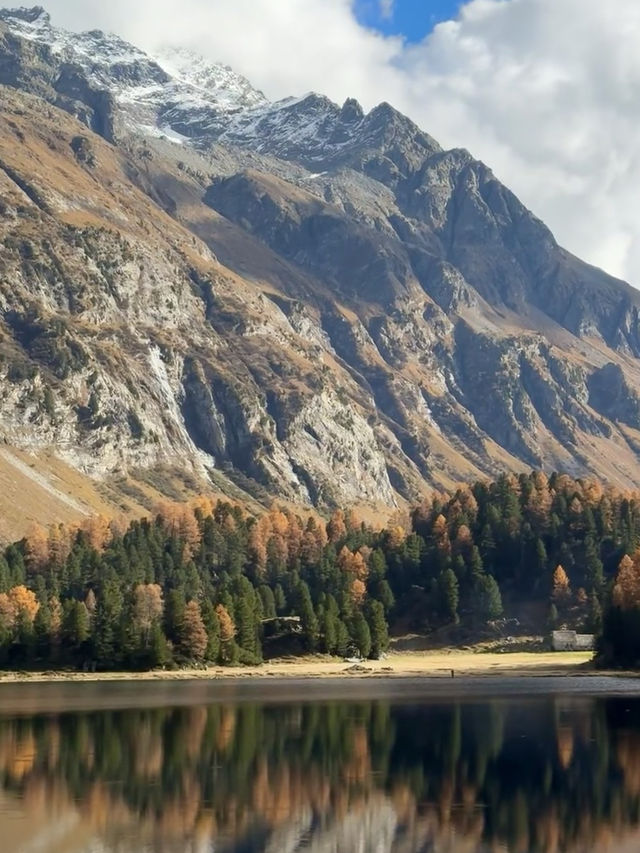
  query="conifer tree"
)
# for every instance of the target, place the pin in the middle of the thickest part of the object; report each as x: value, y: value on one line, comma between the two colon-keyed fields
x: 343, y: 640
x: 561, y: 590
x: 193, y: 634
x: 361, y: 635
x: 307, y: 615
x: 329, y: 629
x: 377, y: 628
x: 245, y: 622
x: 227, y: 635
x: 107, y: 624
x: 593, y: 565
x: 384, y: 595
x: 212, y: 626
x: 595, y: 614
x: 488, y: 601
x: 174, y: 616
x: 158, y: 654
x: 75, y: 624
x: 449, y: 594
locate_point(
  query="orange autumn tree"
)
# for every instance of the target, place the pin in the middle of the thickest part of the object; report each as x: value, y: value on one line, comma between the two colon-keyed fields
x: 193, y: 634
x: 440, y: 535
x: 97, y: 530
x: 227, y: 627
x: 24, y: 603
x: 620, y: 641
x: 227, y: 634
x: 189, y: 531
x: 561, y: 589
x: 7, y: 613
x: 36, y: 547
x: 258, y: 538
x: 358, y: 592
x: 336, y: 527
x: 148, y: 607
x: 18, y: 607
x: 313, y: 541
x: 626, y: 590
x: 353, y: 564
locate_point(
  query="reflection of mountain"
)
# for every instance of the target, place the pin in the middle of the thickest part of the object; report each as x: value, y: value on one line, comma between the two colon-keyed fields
x: 544, y: 776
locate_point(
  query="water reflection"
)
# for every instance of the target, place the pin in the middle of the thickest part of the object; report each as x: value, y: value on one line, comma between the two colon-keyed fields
x: 547, y: 775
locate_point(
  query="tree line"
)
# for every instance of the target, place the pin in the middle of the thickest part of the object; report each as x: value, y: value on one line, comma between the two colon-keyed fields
x: 208, y: 582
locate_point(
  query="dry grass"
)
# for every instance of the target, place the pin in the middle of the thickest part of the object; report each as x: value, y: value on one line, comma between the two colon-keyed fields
x: 40, y: 489
x: 408, y: 664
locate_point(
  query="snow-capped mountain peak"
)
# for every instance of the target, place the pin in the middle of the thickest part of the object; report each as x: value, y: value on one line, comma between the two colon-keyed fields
x: 149, y: 89
x: 177, y: 93
x: 31, y: 16
x: 214, y: 80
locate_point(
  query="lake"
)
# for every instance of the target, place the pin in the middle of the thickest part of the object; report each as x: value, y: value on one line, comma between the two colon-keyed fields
x: 499, y: 765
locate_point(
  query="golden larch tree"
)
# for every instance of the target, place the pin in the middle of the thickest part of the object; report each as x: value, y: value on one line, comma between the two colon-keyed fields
x: 148, y: 606
x: 561, y: 589
x: 336, y: 527
x: 193, y: 634
x: 227, y: 626
x: 358, y: 591
x: 626, y: 590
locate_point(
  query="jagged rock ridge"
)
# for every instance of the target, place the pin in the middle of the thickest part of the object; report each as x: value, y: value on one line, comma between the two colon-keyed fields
x: 318, y: 302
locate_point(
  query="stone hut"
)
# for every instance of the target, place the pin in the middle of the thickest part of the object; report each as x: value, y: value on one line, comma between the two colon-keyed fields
x: 571, y: 641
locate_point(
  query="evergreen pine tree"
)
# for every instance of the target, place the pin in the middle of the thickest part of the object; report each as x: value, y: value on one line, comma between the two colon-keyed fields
x: 449, y: 594
x: 361, y: 635
x: 329, y: 632
x: 378, y: 628
x: 212, y: 626
x: 307, y: 616
x: 106, y: 625
x: 42, y: 631
x: 245, y: 620
x: 158, y: 654
x: 595, y: 614
x: 593, y: 565
x: 174, y: 615
x: 384, y: 594
x: 343, y: 640
x: 487, y: 598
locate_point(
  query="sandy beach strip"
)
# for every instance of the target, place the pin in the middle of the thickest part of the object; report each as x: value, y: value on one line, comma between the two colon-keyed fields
x: 438, y: 664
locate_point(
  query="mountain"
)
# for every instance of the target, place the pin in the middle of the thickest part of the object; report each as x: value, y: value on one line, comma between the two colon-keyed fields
x: 295, y: 299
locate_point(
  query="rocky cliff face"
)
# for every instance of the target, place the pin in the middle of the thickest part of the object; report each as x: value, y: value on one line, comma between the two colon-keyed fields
x: 298, y: 298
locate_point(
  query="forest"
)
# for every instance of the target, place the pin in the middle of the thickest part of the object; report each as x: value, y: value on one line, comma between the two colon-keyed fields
x: 209, y: 583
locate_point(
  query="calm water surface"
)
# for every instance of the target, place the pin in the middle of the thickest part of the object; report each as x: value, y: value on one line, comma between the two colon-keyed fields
x: 343, y: 767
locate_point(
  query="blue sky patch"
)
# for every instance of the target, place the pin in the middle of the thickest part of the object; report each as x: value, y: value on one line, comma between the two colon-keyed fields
x: 413, y: 19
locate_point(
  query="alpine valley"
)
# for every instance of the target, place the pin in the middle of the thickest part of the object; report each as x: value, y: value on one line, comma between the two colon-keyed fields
x: 201, y: 289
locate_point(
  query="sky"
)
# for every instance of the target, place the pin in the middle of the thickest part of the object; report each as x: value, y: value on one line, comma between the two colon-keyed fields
x: 545, y: 92
x: 411, y: 19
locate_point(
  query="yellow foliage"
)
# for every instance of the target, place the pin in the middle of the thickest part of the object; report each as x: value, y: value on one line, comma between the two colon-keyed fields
x: 626, y: 591
x: 561, y: 588
x: 227, y: 627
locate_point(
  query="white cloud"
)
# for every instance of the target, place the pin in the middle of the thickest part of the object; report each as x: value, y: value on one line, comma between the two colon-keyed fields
x: 544, y: 91
x: 386, y: 8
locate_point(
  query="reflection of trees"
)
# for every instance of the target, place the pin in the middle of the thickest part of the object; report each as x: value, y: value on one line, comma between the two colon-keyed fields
x: 544, y: 776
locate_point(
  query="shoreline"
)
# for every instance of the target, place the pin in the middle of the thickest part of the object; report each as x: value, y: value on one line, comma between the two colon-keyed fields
x: 396, y: 666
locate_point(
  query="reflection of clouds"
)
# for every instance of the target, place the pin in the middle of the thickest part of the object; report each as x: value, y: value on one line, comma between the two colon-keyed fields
x: 53, y: 836
x: 369, y: 829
